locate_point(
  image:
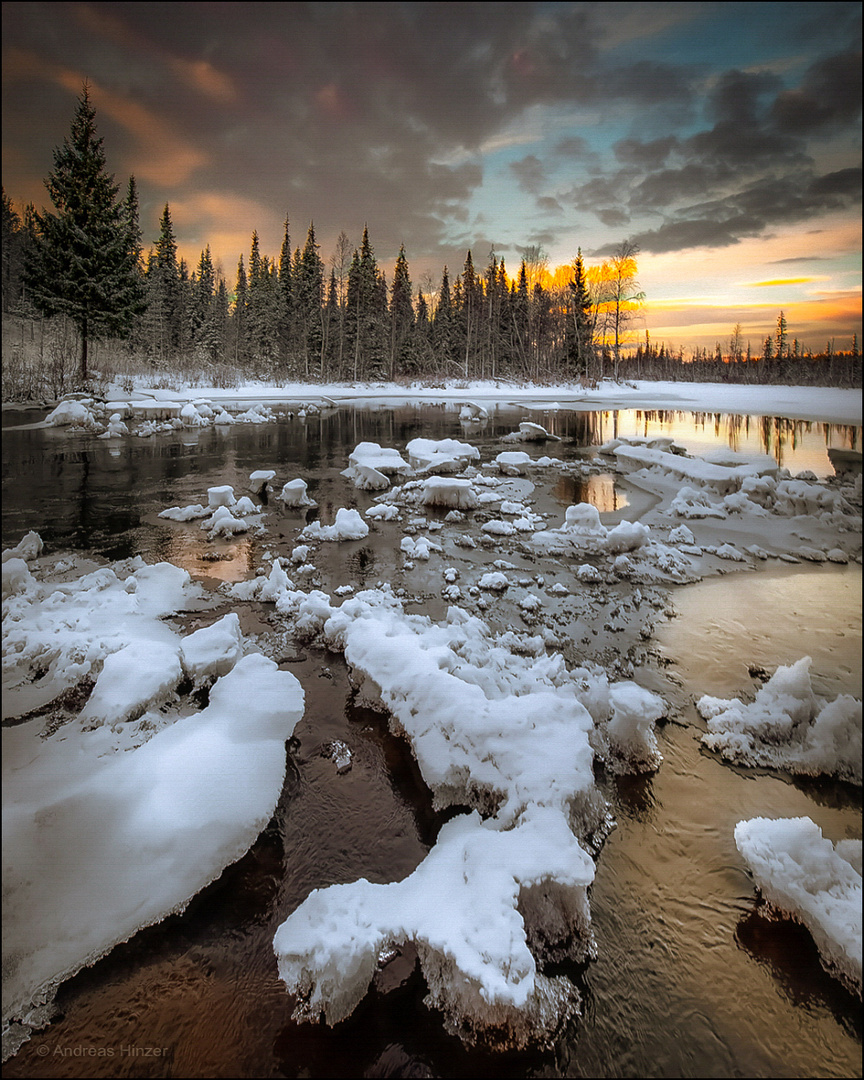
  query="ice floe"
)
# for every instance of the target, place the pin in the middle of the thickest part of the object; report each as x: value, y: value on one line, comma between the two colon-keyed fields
x: 788, y: 727
x: 802, y: 874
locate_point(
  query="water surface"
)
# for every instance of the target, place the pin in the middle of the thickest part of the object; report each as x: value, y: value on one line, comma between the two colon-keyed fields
x: 691, y: 979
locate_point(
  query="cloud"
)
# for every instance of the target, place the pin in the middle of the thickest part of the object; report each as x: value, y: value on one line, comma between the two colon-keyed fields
x: 529, y: 173
x: 781, y: 281
x: 829, y: 96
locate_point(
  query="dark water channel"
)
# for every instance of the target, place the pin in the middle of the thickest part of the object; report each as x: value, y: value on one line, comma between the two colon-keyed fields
x: 691, y: 979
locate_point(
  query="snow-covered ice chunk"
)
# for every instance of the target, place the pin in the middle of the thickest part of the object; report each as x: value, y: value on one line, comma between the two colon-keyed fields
x: 260, y: 480
x: 191, y: 417
x: 421, y: 548
x: 96, y: 847
x: 804, y: 875
x: 584, y: 519
x: 497, y: 527
x: 383, y: 512
x: 347, y: 526
x: 381, y: 459
x: 440, y: 455
x: 368, y: 479
x: 626, y: 536
x: 695, y: 503
x: 223, y: 523
x: 626, y: 739
x: 788, y: 727
x: 185, y: 513
x: 28, y: 548
x: 220, y: 496
x: 294, y: 494
x: 494, y: 581
x: 72, y: 414
x: 136, y: 677
x: 513, y: 462
x: 681, y: 535
x: 213, y: 650
x: 448, y: 491
x: 244, y: 506
x: 478, y: 951
x: 530, y: 432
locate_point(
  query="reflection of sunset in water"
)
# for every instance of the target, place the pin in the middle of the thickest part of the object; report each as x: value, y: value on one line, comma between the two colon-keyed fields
x: 795, y: 444
x: 600, y: 491
x: 196, y: 555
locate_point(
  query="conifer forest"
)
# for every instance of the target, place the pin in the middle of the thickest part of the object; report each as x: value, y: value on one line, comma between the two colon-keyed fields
x: 80, y: 278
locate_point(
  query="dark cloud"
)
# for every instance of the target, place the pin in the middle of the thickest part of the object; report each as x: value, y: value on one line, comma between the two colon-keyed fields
x: 550, y: 205
x: 348, y: 113
x: 751, y: 211
x: 647, y: 155
x: 613, y: 217
x: 670, y: 186
x: 529, y: 173
x: 829, y: 96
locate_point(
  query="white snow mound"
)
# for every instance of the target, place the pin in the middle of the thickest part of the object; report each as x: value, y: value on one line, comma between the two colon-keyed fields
x: 471, y: 908
x: 788, y: 727
x: 96, y: 847
x: 803, y: 874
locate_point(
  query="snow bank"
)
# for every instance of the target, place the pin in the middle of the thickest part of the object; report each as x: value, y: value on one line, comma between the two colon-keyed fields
x: 99, y: 843
x: 804, y: 875
x: 477, y: 909
x: 788, y: 727
x: 72, y: 414
x: 64, y: 631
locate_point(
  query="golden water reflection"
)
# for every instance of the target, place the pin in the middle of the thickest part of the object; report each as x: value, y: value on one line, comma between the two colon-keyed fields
x: 599, y: 491
x: 228, y: 561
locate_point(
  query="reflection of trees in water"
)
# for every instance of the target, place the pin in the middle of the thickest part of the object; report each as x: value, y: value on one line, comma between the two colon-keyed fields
x: 598, y: 490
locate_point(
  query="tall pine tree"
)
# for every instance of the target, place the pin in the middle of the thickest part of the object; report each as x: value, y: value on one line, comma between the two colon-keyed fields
x: 83, y: 263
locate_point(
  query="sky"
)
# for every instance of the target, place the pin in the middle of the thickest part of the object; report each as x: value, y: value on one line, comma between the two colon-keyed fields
x: 724, y: 139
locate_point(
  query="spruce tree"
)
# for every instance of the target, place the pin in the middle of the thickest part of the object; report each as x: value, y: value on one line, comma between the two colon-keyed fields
x: 401, y: 315
x: 12, y: 254
x: 579, y: 333
x: 82, y: 264
x: 442, y: 324
x: 164, y: 299
x: 309, y: 296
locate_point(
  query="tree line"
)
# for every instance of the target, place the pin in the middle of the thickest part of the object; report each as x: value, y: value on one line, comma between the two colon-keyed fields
x: 290, y: 317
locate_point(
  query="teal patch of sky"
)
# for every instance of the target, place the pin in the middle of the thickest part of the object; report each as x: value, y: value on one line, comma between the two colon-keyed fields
x: 730, y: 36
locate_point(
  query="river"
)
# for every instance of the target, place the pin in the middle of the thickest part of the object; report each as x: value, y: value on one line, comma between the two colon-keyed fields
x: 691, y: 979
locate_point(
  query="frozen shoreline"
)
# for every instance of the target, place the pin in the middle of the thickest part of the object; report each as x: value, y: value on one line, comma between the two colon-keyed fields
x: 807, y: 403
x: 796, y: 402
